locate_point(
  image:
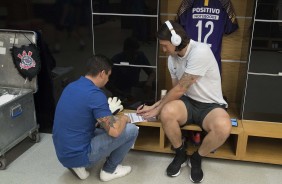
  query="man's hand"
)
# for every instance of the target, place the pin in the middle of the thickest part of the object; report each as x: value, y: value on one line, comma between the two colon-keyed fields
x: 152, y: 113
x: 148, y: 111
x: 143, y: 108
x: 115, y: 105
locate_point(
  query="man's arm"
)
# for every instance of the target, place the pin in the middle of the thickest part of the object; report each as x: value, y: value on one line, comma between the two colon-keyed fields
x: 179, y: 88
x: 174, y: 82
x: 187, y: 80
x: 114, y: 125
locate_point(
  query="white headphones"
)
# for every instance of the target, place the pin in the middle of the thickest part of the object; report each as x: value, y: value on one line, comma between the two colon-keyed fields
x: 175, y: 38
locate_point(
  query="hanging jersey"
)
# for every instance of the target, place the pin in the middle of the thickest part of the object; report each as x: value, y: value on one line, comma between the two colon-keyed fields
x: 207, y: 21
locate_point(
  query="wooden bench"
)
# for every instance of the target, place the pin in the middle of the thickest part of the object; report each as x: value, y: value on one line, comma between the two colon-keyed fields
x: 152, y: 138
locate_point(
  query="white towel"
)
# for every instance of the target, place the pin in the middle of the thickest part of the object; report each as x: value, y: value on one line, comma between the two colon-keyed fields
x: 6, y: 98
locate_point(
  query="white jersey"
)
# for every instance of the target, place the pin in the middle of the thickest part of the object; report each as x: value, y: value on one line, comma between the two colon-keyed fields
x: 199, y: 60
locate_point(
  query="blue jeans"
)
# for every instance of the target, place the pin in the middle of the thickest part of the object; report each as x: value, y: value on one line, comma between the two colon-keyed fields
x: 114, y: 148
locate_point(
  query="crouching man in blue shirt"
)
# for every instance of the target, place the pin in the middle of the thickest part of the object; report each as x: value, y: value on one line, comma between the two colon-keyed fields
x: 79, y: 143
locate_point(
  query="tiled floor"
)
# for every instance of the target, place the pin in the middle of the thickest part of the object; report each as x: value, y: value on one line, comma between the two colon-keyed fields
x: 37, y: 164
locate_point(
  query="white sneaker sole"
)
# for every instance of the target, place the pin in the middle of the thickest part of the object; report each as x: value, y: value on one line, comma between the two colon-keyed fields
x: 104, y: 177
x: 82, y: 177
x: 196, y: 182
x: 189, y: 163
x: 182, y: 165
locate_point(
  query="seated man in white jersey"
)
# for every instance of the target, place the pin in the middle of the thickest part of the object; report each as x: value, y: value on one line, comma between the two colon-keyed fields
x: 196, y: 97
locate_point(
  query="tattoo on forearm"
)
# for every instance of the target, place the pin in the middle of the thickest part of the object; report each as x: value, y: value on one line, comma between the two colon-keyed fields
x: 187, y: 80
x: 107, y: 122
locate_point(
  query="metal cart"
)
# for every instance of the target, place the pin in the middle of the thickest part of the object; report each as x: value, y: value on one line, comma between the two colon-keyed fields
x: 17, y: 110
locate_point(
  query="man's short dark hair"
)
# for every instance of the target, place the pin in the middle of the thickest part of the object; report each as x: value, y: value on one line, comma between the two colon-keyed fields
x: 97, y: 64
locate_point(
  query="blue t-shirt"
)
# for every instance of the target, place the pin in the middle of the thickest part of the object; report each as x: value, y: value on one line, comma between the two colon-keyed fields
x: 77, y: 111
x: 207, y: 21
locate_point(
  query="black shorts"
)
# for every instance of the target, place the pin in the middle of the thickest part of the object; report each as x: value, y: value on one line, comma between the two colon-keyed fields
x: 197, y: 111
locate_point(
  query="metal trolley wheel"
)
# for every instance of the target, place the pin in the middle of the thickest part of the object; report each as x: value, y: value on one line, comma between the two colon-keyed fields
x: 34, y: 136
x: 3, y: 163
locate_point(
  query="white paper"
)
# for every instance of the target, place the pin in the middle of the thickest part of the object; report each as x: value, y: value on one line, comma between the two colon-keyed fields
x: 135, y: 118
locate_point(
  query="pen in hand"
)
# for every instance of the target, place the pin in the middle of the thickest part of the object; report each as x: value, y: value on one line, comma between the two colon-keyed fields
x: 140, y: 108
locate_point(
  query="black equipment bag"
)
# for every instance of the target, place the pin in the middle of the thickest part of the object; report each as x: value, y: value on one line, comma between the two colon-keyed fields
x: 27, y: 60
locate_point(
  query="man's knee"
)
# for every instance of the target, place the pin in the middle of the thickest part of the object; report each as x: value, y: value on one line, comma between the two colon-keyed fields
x: 223, y: 128
x: 167, y: 113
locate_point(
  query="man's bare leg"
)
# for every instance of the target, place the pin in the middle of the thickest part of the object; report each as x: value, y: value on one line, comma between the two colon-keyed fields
x: 217, y: 124
x: 173, y: 115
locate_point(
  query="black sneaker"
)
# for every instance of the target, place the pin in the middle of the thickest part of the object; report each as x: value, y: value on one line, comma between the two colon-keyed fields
x: 195, y: 162
x: 179, y: 161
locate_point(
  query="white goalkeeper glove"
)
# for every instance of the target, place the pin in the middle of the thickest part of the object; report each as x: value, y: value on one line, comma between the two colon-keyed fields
x: 115, y: 105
